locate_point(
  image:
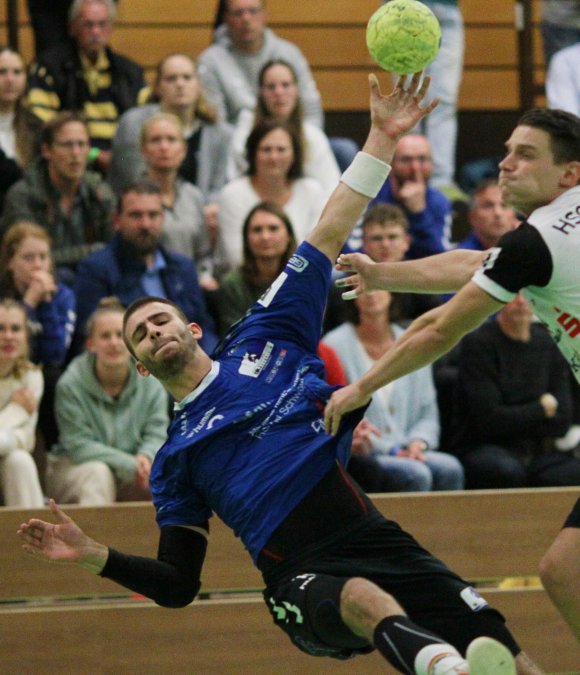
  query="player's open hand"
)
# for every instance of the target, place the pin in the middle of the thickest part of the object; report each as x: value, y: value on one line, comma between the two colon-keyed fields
x: 363, y: 278
x: 403, y: 108
x: 62, y: 542
x: 342, y: 401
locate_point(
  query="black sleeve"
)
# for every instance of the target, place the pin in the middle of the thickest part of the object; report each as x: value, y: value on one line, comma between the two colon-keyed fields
x: 172, y: 580
x: 521, y: 258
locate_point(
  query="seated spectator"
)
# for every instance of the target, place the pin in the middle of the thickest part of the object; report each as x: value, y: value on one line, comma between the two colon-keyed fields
x: 274, y: 175
x: 405, y: 425
x: 279, y: 99
x: 85, y: 74
x: 488, y: 217
x: 19, y: 128
x: 177, y: 90
x: 385, y: 238
x: 27, y: 275
x: 184, y: 229
x: 268, y: 243
x: 111, y: 420
x: 563, y: 80
x: 514, y: 399
x: 72, y: 204
x: 20, y: 392
x: 134, y: 263
x: 242, y: 45
x: 427, y: 209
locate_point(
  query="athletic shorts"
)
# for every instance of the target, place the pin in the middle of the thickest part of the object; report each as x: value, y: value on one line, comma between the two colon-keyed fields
x: 307, y: 605
x: 573, y: 520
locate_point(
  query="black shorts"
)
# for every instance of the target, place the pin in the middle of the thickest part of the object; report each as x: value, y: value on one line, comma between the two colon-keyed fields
x: 307, y: 605
x: 573, y: 520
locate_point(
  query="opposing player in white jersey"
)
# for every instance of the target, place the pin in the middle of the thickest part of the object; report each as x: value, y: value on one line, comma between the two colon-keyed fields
x: 540, y: 178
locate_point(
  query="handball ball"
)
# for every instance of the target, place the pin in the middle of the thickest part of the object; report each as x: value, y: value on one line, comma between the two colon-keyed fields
x: 403, y: 36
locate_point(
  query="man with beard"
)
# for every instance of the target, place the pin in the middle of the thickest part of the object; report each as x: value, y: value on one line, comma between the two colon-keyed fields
x: 248, y: 443
x: 134, y: 264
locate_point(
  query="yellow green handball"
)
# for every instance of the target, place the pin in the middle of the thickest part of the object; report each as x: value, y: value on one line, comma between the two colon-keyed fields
x: 403, y: 36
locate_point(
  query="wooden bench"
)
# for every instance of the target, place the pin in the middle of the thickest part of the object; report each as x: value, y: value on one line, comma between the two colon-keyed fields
x: 483, y: 535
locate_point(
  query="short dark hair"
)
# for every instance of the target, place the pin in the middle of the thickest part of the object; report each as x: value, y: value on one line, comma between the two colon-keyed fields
x: 140, y: 302
x: 52, y: 126
x: 141, y: 186
x: 262, y: 129
x: 562, y: 127
x: 385, y: 214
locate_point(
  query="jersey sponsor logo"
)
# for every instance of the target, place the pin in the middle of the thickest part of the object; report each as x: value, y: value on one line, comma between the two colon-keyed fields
x: 297, y: 263
x: 276, y: 367
x: 253, y: 364
x: 491, y: 257
x: 286, y: 612
x: 472, y: 599
x: 206, y: 422
x: 570, y: 324
x: 213, y: 420
x: 569, y: 222
x: 270, y: 294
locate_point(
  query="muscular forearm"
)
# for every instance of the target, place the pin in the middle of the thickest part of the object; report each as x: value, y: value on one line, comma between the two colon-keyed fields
x: 442, y: 273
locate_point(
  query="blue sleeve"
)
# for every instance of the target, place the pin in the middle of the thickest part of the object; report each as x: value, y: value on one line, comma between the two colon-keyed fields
x: 293, y: 307
x: 57, y: 319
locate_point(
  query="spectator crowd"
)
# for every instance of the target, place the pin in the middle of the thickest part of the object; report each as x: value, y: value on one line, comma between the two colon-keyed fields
x: 197, y: 188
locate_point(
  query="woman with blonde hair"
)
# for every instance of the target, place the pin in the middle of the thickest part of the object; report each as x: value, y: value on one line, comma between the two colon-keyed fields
x: 164, y: 147
x: 21, y: 386
x: 111, y: 420
x: 177, y: 90
x: 19, y: 128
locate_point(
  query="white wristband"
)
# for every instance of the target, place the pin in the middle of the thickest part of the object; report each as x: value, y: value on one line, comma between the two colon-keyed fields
x: 366, y: 174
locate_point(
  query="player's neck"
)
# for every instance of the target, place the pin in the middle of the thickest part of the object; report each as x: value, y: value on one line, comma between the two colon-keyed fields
x: 189, y: 377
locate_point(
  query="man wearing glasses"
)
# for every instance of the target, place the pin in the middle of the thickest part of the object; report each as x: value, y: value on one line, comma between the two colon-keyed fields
x: 73, y: 204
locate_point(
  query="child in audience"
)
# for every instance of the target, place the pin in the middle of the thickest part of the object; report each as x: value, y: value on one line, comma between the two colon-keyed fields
x: 21, y: 387
x: 27, y: 275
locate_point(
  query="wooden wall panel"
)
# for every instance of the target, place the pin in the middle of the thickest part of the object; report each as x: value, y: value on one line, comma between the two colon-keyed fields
x: 331, y: 34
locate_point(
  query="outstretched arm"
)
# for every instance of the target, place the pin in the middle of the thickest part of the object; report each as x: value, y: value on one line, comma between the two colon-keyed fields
x: 442, y: 273
x: 171, y: 581
x: 428, y: 337
x: 391, y: 117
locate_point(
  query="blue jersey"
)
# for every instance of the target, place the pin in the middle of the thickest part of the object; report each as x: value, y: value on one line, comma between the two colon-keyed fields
x: 249, y: 442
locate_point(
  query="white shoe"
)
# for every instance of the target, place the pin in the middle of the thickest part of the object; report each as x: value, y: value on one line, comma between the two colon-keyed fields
x: 487, y: 656
x: 448, y: 664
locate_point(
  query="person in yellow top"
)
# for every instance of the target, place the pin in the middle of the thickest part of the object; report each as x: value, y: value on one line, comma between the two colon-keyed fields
x: 86, y: 74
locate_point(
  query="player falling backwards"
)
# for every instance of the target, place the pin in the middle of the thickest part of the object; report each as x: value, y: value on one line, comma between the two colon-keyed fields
x: 248, y: 443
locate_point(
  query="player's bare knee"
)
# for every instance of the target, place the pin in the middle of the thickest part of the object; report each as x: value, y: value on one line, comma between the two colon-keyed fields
x: 363, y: 604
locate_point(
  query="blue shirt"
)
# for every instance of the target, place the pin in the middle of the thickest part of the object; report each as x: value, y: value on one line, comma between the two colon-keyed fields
x: 249, y: 442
